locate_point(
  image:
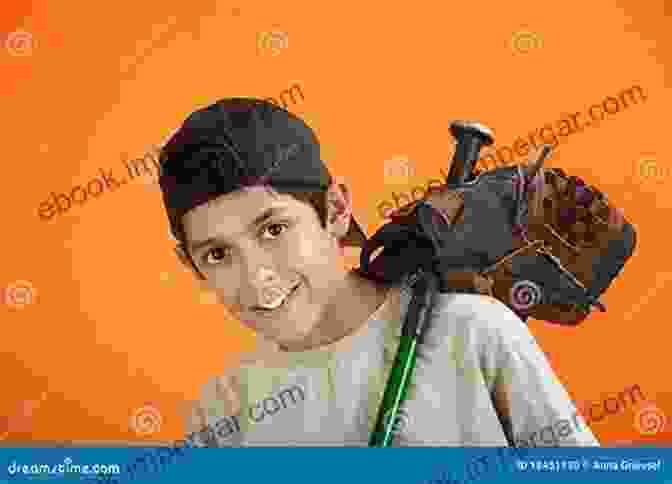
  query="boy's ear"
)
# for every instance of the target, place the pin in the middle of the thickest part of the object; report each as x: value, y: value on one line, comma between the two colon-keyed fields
x: 339, y: 209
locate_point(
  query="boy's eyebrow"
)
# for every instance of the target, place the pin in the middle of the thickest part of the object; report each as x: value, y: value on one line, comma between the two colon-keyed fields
x: 260, y: 219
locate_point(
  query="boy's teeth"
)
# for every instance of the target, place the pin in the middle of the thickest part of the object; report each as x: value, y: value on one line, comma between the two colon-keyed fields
x: 275, y: 303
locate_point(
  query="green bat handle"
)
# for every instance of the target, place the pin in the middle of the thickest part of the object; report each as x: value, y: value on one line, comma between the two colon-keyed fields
x: 395, y: 392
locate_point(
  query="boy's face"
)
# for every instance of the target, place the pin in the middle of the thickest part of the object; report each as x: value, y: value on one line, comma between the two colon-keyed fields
x: 268, y: 259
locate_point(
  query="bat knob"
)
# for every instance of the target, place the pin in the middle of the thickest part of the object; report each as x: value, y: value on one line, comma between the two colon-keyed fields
x: 471, y: 137
x: 468, y: 130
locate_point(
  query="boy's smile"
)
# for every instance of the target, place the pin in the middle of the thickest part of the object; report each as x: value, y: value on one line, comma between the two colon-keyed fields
x: 276, y: 299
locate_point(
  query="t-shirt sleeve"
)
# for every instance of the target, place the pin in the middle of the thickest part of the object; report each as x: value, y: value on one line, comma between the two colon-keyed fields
x: 534, y: 407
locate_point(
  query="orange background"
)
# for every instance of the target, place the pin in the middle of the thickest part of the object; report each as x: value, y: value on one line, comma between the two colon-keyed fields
x: 106, y: 335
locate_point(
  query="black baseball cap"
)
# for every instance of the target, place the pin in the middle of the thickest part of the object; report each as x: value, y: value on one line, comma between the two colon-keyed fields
x: 238, y: 142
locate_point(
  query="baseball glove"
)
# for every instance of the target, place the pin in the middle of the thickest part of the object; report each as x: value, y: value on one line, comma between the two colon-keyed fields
x: 544, y: 243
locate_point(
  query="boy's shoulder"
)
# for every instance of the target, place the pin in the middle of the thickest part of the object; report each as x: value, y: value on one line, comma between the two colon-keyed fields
x: 476, y: 318
x: 477, y: 308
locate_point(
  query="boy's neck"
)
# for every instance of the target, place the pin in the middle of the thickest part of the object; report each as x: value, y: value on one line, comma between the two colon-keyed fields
x: 354, y: 304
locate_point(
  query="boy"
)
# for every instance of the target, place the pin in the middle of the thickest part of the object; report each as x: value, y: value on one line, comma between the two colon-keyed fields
x: 262, y: 223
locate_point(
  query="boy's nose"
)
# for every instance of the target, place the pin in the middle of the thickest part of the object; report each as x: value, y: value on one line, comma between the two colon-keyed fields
x: 264, y: 275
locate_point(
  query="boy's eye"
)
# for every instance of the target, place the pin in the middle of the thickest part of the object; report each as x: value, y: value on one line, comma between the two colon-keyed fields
x: 218, y: 254
x: 275, y: 229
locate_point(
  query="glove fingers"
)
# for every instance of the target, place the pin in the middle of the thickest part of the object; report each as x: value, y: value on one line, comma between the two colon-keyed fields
x: 536, y: 194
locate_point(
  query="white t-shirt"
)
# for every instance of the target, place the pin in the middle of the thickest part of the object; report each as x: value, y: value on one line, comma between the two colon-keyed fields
x: 480, y: 380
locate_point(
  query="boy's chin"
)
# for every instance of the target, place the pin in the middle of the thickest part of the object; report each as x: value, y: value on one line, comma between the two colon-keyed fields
x: 290, y: 342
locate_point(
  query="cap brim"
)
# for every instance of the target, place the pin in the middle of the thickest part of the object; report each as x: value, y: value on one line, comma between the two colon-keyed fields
x: 355, y: 236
